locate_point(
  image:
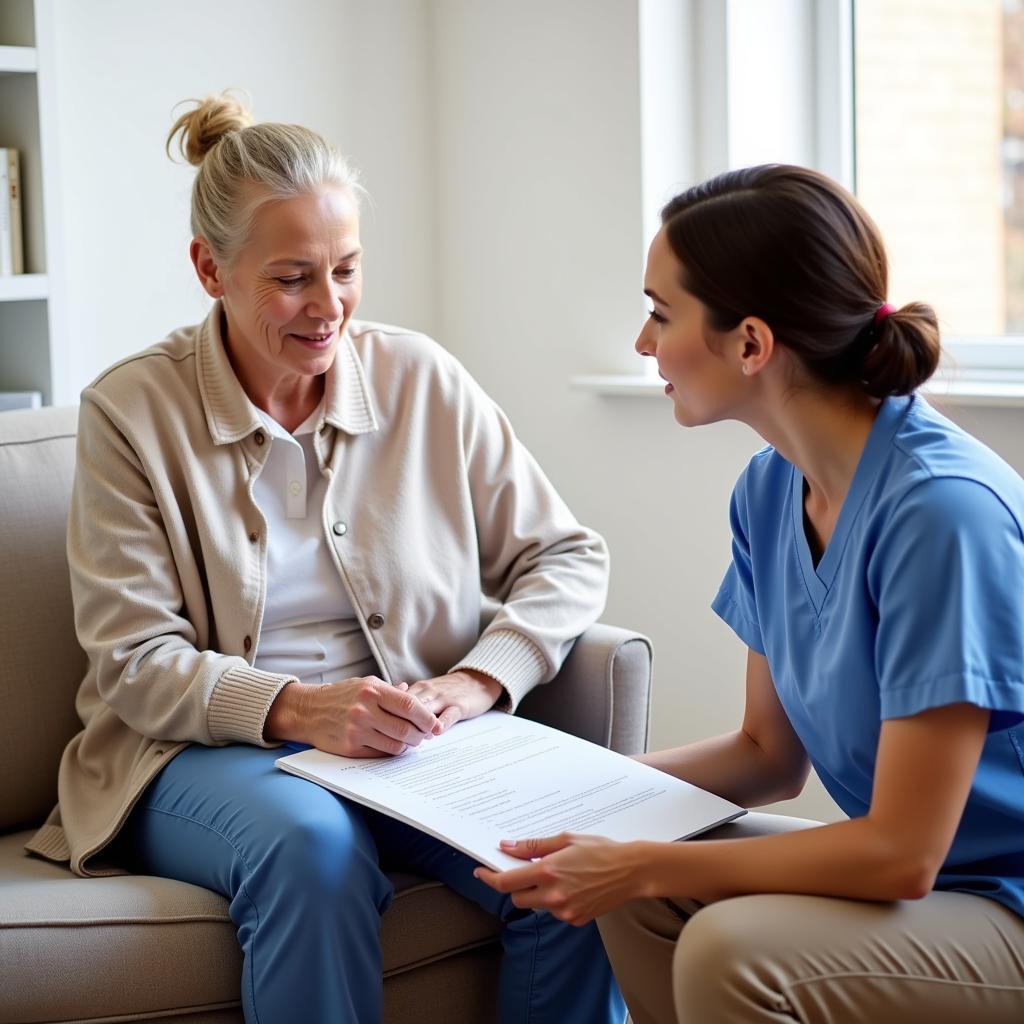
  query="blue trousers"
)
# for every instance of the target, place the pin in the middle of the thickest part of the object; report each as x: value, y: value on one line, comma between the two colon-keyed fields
x: 300, y: 868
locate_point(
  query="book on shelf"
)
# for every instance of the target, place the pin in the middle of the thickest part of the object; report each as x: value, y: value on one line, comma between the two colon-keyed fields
x: 12, y: 253
x: 20, y: 400
x: 502, y: 777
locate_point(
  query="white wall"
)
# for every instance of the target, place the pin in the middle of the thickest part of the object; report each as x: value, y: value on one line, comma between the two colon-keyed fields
x: 541, y: 242
x: 502, y: 144
x: 358, y: 72
x: 539, y: 185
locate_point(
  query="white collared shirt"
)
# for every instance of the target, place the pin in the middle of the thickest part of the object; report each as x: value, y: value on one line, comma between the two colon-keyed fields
x: 310, y: 628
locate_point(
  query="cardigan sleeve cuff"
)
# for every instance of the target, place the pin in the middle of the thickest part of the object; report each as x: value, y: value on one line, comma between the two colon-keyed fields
x: 239, y: 705
x: 512, y: 659
x: 51, y: 843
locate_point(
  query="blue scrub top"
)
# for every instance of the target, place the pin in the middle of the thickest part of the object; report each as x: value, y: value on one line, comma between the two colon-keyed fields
x: 917, y: 602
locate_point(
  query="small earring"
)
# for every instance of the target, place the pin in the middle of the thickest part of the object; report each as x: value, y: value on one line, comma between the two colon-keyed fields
x: 746, y: 368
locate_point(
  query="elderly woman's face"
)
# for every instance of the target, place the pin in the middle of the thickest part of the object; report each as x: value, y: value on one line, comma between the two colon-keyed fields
x: 295, y: 285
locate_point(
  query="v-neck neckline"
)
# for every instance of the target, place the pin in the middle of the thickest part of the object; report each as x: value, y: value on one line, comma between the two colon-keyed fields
x: 819, y: 578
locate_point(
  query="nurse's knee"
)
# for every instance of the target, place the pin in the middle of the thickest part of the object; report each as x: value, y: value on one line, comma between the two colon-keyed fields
x: 728, y: 959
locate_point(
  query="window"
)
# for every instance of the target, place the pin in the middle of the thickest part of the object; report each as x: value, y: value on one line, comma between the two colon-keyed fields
x: 917, y: 105
x: 939, y: 153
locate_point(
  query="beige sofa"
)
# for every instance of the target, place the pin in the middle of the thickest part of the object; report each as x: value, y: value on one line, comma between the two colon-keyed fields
x: 140, y: 948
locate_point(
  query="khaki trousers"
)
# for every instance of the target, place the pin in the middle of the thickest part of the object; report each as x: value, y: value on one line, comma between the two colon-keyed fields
x: 950, y: 958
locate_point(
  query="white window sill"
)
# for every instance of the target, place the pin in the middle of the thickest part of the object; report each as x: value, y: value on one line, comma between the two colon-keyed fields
x: 1004, y: 389
x: 976, y: 371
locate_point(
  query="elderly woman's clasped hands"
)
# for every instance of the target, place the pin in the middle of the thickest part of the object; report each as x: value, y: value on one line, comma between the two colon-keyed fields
x: 368, y: 717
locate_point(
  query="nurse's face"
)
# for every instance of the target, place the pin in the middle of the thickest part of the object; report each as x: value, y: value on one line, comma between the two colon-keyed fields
x: 705, y: 381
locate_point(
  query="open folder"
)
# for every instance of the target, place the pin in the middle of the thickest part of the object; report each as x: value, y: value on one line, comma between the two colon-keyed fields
x: 501, y: 777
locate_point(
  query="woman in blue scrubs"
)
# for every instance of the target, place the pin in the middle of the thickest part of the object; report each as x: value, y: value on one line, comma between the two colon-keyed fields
x: 877, y: 580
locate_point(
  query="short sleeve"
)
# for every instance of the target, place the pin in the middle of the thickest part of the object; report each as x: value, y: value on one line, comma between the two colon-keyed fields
x: 736, y: 603
x: 947, y: 578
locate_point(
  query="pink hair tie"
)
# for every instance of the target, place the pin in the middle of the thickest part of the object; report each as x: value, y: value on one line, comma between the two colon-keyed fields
x: 884, y: 310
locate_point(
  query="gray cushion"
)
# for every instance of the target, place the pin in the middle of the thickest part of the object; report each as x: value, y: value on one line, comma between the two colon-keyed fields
x: 41, y: 664
x: 602, y: 693
x: 103, y: 945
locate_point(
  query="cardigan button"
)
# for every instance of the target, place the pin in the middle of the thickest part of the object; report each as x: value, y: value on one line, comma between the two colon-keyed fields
x: 259, y: 437
x: 375, y: 621
x: 254, y: 536
x: 340, y: 528
x: 247, y: 644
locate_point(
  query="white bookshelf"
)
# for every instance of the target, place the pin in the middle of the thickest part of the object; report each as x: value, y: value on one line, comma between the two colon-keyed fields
x: 15, y: 60
x: 24, y: 288
x: 29, y: 306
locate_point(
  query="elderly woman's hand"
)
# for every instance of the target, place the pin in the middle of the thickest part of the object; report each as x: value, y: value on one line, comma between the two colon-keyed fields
x: 364, y: 717
x: 457, y: 695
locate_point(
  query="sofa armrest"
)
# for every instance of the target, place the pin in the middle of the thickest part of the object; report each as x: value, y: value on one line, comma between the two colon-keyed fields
x: 602, y: 692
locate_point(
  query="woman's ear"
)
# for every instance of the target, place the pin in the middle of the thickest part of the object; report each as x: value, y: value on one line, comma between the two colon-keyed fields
x: 755, y: 344
x: 207, y: 270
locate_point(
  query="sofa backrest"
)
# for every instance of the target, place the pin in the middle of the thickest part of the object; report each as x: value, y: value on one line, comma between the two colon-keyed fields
x: 41, y: 664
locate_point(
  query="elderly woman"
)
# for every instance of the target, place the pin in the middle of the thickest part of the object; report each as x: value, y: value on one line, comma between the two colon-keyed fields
x: 282, y: 525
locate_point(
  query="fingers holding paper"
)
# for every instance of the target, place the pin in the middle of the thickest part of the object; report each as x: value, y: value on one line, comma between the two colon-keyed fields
x: 574, y: 877
x: 457, y: 695
x: 359, y: 717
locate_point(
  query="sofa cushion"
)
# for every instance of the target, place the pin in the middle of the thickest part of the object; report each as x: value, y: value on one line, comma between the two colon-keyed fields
x: 79, y: 948
x: 41, y: 665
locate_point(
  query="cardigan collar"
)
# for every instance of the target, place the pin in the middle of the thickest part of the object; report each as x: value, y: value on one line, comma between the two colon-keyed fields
x: 230, y: 413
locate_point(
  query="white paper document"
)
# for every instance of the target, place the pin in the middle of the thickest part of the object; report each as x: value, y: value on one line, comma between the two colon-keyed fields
x: 501, y: 777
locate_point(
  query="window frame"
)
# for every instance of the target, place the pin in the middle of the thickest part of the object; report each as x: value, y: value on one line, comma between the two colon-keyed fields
x: 691, y: 58
x: 990, y: 367
x: 709, y: 55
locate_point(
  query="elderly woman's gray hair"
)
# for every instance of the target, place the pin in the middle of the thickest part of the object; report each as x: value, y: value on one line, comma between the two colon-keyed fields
x: 243, y: 165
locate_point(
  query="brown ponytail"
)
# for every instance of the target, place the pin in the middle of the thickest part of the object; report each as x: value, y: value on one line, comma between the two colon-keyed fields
x: 905, y: 354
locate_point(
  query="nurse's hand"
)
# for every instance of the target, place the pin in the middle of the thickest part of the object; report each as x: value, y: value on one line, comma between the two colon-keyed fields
x: 577, y: 878
x: 457, y: 695
x: 363, y: 717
